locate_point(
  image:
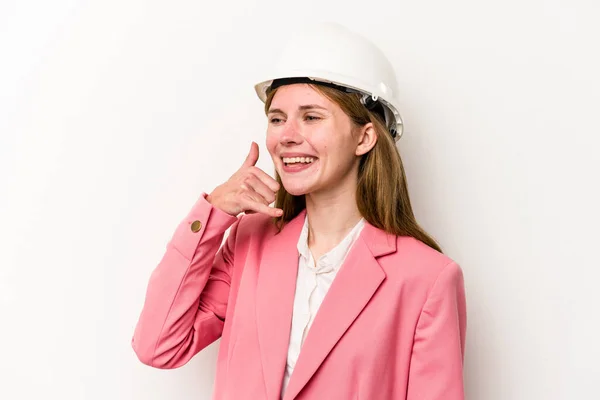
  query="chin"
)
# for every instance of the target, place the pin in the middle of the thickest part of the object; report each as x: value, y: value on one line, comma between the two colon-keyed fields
x: 296, y: 189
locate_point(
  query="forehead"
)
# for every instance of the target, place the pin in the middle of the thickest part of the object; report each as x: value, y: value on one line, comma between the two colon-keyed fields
x: 297, y: 95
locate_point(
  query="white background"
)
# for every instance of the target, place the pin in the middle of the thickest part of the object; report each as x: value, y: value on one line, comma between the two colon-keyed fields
x: 116, y: 115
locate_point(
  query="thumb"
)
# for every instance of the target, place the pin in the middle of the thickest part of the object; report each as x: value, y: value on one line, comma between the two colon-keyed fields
x: 252, y: 157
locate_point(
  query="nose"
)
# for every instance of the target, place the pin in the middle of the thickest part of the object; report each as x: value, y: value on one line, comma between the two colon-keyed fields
x: 290, y: 134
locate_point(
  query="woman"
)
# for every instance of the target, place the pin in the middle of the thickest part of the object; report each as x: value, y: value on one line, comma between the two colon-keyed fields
x: 335, y: 292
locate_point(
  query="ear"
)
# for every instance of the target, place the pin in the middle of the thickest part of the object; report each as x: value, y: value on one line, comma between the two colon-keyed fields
x: 366, y: 139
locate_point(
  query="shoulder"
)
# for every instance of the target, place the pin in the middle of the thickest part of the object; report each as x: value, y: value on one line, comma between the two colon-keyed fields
x: 420, y: 265
x: 416, y: 252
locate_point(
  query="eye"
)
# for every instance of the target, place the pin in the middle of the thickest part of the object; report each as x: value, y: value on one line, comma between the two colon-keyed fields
x: 275, y: 120
x: 312, y: 118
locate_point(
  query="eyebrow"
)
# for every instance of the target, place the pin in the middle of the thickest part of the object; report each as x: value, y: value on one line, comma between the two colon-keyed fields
x: 301, y: 108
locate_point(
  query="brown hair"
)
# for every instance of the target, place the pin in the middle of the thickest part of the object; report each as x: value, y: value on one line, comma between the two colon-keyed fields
x: 381, y: 194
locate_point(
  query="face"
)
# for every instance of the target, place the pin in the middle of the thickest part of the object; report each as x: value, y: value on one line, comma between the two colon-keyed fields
x: 313, y: 143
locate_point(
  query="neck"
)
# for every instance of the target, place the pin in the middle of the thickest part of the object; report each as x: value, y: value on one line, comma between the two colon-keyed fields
x: 331, y: 216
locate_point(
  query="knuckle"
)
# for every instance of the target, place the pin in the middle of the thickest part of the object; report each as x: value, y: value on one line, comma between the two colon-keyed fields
x: 243, y: 198
x: 250, y: 178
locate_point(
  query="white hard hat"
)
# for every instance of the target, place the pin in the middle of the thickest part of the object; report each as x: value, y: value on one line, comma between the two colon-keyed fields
x: 330, y: 54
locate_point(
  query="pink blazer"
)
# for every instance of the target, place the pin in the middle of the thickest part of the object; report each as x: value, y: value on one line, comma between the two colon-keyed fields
x: 392, y: 325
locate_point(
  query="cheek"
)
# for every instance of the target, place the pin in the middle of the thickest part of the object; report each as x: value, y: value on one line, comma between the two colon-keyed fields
x: 340, y: 153
x: 271, y: 143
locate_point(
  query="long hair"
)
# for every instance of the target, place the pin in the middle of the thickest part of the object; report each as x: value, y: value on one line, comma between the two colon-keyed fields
x: 381, y: 193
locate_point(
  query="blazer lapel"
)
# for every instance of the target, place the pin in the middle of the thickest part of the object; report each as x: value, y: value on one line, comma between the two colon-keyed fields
x: 275, y: 291
x: 351, y: 290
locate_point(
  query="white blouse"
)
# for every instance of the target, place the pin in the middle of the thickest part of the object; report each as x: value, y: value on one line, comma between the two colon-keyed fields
x: 312, y: 285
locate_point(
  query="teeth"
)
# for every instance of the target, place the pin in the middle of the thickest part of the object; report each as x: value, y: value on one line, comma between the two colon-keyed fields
x: 293, y: 160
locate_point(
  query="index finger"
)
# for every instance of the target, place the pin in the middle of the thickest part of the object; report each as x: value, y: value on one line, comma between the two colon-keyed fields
x: 265, y: 178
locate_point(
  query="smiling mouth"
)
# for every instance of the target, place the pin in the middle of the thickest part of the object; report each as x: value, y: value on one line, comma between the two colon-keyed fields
x: 291, y: 161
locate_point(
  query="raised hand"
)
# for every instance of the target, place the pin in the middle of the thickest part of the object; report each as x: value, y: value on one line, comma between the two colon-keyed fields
x: 249, y: 190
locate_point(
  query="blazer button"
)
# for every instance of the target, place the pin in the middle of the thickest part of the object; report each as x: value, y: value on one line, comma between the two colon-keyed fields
x: 196, y: 226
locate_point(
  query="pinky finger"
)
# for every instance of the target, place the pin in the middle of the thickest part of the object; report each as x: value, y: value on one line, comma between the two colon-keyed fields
x: 256, y: 207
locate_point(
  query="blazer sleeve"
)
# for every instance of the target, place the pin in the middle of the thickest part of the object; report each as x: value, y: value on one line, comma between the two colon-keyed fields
x: 436, y: 366
x: 186, y: 297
